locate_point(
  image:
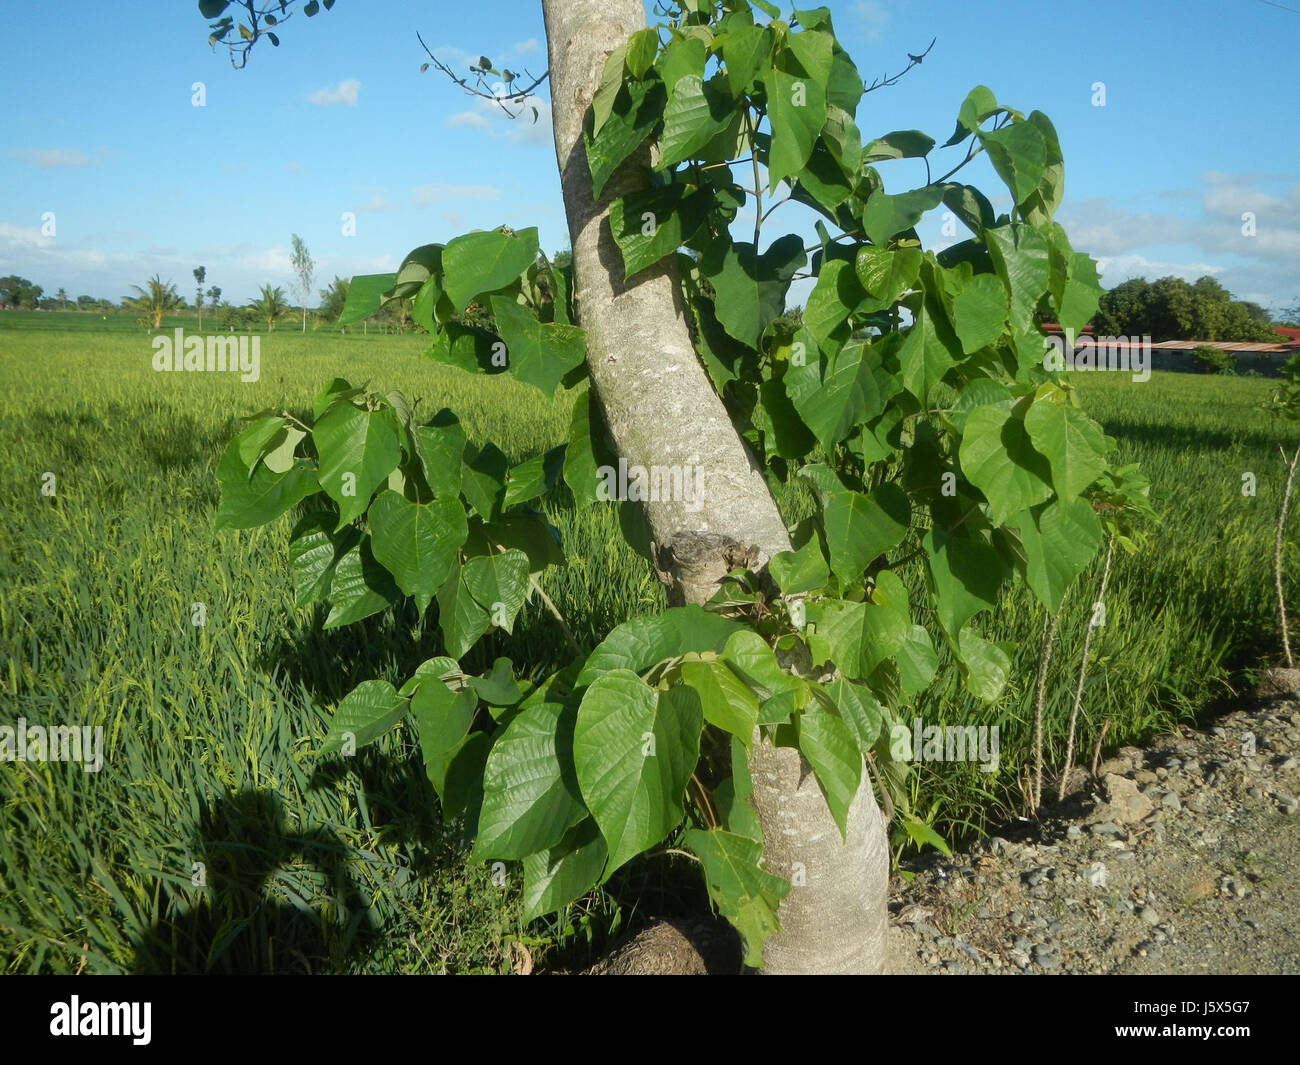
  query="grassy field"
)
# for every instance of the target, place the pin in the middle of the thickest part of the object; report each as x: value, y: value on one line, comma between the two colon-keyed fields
x: 210, y: 731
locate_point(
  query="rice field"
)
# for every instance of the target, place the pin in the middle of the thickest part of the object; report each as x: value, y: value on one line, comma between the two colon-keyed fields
x: 214, y: 840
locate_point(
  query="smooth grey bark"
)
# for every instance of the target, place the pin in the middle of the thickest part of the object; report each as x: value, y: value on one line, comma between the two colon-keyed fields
x: 661, y: 410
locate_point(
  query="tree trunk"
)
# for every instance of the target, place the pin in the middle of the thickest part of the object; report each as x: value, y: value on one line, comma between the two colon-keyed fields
x: 661, y: 410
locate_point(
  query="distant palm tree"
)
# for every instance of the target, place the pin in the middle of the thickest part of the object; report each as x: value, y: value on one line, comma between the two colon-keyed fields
x: 271, y: 304
x: 333, y: 298
x: 155, y: 299
x: 62, y: 297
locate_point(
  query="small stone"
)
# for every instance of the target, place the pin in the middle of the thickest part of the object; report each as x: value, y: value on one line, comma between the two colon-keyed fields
x: 1149, y: 915
x: 1254, y: 793
x: 1162, y: 773
x: 1172, y: 801
x: 1074, y: 832
x: 1106, y: 828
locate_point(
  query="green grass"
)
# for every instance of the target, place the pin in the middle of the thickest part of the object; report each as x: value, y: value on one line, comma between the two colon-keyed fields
x: 325, y: 867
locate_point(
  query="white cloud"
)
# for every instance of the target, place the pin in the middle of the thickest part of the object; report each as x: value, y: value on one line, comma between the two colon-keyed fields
x: 423, y: 195
x: 378, y: 203
x: 525, y: 47
x: 51, y: 158
x: 872, y: 17
x: 468, y: 120
x: 345, y: 93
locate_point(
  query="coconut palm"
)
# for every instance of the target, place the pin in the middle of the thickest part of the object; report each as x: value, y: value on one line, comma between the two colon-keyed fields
x: 333, y: 298
x: 153, y: 300
x: 271, y: 304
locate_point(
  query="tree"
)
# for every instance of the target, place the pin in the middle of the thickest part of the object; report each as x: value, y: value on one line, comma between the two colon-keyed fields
x: 62, y: 297
x: 269, y: 305
x: 1171, y: 309
x: 304, y: 267
x: 152, y: 300
x: 17, y: 292
x: 759, y: 708
x: 214, y: 295
x: 200, y: 275
x: 333, y: 298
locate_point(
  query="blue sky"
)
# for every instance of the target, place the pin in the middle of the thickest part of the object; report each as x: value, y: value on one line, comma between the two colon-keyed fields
x: 1198, y: 127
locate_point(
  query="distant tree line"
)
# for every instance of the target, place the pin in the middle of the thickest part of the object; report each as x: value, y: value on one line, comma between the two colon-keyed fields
x: 1173, y: 309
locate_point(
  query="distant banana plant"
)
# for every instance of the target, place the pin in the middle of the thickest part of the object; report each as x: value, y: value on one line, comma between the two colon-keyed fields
x: 271, y: 304
x: 154, y: 300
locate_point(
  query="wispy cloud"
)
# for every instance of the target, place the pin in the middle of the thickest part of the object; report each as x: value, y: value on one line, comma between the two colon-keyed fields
x: 873, y: 18
x: 468, y: 120
x: 423, y: 195
x: 344, y: 93
x: 51, y: 158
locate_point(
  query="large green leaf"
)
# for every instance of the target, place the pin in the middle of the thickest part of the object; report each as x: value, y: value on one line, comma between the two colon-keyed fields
x: 477, y: 263
x: 901, y: 144
x: 499, y: 584
x: 797, y: 113
x: 540, y: 353
x: 460, y: 617
x: 635, y: 113
x: 980, y: 312
x: 417, y: 542
x: 803, y: 570
x: 859, y: 709
x: 443, y: 718
x: 638, y: 644
x: 834, y: 297
x: 855, y: 390
x: 553, y: 878
x: 249, y: 501
x: 1018, y: 153
x: 857, y: 637
x: 365, y: 296
x: 360, y: 587
x: 886, y: 274
x: 886, y: 216
x: 1020, y: 256
x: 530, y: 790
x: 860, y: 528
x: 998, y: 457
x: 358, y: 450
x: 924, y: 357
x: 832, y: 751
x: 366, y: 713
x: 650, y: 224
x: 1074, y: 444
x: 1060, y: 539
x: 986, y: 665
x: 441, y: 447
x: 746, y: 50
x: 634, y: 749
x: 726, y: 700
x: 697, y: 111
x: 751, y: 288
x: 917, y: 662
x: 745, y: 894
x: 965, y: 576
x: 314, y: 552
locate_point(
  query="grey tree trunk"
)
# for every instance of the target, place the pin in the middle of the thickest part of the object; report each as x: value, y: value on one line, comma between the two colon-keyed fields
x: 661, y: 410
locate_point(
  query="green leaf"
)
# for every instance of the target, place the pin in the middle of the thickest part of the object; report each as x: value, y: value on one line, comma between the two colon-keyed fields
x: 901, y: 144
x: 834, y: 297
x: 634, y: 749
x: 832, y: 751
x: 886, y: 274
x: 642, y: 47
x: 752, y: 659
x: 483, y: 481
x: 553, y: 878
x: 638, y: 644
x: 365, y: 297
x: 786, y: 434
x: 635, y: 114
x: 530, y: 790
x: 580, y: 461
x: 979, y: 104
x: 1060, y: 539
x: 999, y: 459
x: 985, y: 665
x: 441, y: 447
x: 314, y: 552
x: 1074, y: 444
x: 499, y: 687
x: 1018, y: 153
x: 854, y: 391
x: 980, y: 313
x: 366, y: 713
x: 443, y: 718
x: 797, y: 113
x: 731, y: 796
x: 249, y: 501
x: 751, y: 288
x: 358, y: 450
x: 857, y: 637
x: 804, y: 570
x: 682, y: 57
x: 540, y: 353
x: 861, y: 528
x: 726, y: 701
x: 417, y: 542
x: 1042, y: 204
x: 460, y: 617
x: 656, y: 222
x: 965, y: 577
x: 923, y: 834
x: 745, y: 894
x: 697, y: 112
x: 887, y: 216
x: 477, y: 263
x: 360, y: 587
x: 924, y: 356
x: 746, y: 49
x: 917, y: 662
x: 499, y: 584
x: 611, y: 81
x: 859, y: 709
x: 1020, y: 256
